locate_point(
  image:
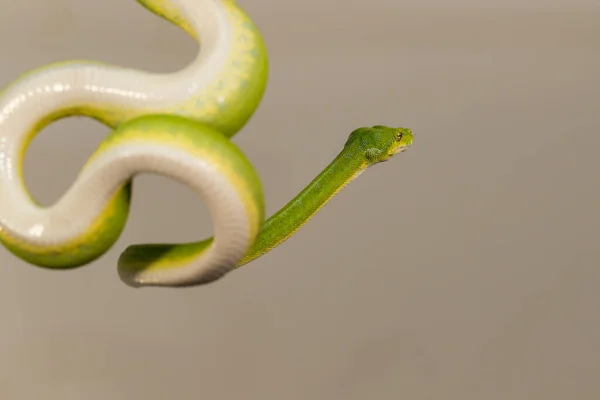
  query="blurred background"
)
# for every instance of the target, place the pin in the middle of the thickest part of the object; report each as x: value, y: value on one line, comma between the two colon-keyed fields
x: 465, y: 268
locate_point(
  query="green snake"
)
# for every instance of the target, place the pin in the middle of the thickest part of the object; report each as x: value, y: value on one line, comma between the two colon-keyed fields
x: 176, y: 125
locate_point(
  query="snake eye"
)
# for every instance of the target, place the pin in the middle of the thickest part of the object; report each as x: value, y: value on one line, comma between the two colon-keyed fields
x: 399, y: 136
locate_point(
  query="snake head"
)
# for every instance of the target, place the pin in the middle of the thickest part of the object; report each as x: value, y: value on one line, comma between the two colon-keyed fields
x: 379, y: 143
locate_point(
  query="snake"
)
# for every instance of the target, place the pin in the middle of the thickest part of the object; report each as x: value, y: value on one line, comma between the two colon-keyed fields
x: 178, y: 125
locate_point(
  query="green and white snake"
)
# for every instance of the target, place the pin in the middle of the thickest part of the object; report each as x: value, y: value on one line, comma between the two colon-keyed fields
x: 176, y: 125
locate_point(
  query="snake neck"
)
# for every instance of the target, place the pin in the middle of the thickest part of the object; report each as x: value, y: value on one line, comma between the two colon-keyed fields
x: 344, y: 168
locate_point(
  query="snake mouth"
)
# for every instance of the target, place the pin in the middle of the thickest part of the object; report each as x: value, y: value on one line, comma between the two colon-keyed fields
x: 400, y: 150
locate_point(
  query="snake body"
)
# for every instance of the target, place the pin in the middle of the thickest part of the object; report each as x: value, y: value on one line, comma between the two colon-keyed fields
x: 177, y: 125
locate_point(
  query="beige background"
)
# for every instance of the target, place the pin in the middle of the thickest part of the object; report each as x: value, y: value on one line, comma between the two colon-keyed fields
x: 466, y: 268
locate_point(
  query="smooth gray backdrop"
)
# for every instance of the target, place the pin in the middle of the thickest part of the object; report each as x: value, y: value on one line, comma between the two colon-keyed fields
x: 466, y: 268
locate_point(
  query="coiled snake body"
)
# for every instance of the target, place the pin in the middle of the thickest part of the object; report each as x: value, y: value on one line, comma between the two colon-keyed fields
x: 177, y: 125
